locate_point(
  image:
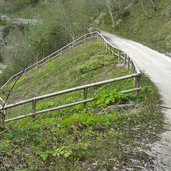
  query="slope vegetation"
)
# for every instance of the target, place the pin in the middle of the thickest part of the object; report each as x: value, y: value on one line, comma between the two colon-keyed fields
x: 98, y: 138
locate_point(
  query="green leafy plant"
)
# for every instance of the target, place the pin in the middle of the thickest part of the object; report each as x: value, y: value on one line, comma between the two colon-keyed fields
x: 43, y: 154
x: 4, y: 145
x: 74, y: 150
x: 107, y: 97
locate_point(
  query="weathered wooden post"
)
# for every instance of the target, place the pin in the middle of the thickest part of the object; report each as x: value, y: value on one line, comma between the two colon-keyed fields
x: 33, y: 109
x: 61, y: 52
x: 129, y: 62
x: 2, y: 116
x: 85, y: 91
x: 97, y: 37
x: 119, y: 55
x: 125, y: 57
x: 2, y: 111
x: 114, y: 51
x: 122, y: 55
x: 73, y: 44
x: 132, y: 66
x: 138, y: 82
x: 25, y: 71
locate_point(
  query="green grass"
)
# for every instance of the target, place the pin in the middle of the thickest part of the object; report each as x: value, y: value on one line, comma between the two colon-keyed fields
x: 85, y: 64
x: 76, y: 138
x: 93, y: 139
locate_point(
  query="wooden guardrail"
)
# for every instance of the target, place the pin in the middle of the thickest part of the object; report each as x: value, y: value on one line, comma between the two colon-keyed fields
x: 33, y: 101
x: 2, y: 112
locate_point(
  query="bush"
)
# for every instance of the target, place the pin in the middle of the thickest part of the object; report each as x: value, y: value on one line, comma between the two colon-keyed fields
x: 107, y: 97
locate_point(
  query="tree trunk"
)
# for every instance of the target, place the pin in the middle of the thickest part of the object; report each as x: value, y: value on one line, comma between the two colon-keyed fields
x: 110, y: 9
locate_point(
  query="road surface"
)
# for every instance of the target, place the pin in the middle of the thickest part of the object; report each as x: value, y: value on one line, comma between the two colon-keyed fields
x: 158, y: 67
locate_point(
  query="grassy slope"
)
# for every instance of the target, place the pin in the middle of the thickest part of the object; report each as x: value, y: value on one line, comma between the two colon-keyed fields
x: 153, y: 31
x: 76, y: 139
x: 85, y: 64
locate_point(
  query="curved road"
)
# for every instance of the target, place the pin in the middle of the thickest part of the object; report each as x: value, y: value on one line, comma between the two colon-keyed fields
x: 158, y: 67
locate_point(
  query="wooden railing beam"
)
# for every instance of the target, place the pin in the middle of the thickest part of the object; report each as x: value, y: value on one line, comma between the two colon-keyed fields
x: 72, y: 90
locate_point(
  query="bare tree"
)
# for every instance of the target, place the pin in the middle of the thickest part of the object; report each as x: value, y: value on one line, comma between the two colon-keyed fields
x: 66, y: 22
x: 109, y: 6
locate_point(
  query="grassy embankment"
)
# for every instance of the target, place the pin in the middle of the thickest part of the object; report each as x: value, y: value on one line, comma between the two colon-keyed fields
x: 75, y: 138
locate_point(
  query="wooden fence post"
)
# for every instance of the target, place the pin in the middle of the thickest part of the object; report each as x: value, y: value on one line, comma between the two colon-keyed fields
x: 61, y: 52
x: 97, y: 37
x: 113, y: 51
x: 119, y: 56
x: 138, y: 83
x: 2, y: 116
x: 129, y: 62
x: 73, y: 44
x: 85, y: 96
x: 2, y: 111
x: 132, y: 66
x: 125, y: 56
x: 33, y: 108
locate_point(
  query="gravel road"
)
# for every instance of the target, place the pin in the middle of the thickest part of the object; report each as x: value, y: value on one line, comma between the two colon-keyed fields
x: 158, y: 67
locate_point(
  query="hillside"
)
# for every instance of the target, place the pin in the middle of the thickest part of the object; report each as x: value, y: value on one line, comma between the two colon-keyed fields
x: 147, y: 22
x: 85, y: 64
x: 142, y: 21
x: 77, y: 139
x: 101, y: 136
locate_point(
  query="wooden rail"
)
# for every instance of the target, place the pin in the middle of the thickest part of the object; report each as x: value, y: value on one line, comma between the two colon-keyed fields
x: 128, y: 62
x: 85, y: 89
x: 2, y: 112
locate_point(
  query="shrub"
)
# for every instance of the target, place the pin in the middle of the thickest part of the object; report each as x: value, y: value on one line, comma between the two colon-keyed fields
x: 107, y: 97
